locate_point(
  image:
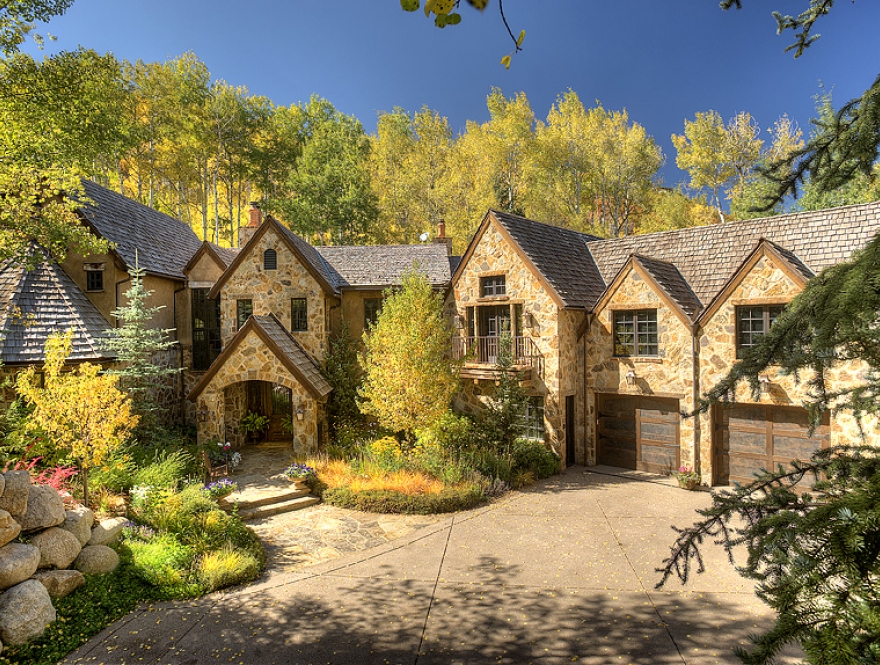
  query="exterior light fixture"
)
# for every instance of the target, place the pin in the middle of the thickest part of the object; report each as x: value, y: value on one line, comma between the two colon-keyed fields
x: 202, y: 415
x: 631, y: 378
x: 300, y: 413
x: 764, y: 380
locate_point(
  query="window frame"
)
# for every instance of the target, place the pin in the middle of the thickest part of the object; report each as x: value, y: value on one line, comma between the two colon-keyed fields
x: 241, y: 316
x: 371, y: 311
x: 493, y: 286
x: 299, y: 314
x: 206, y: 341
x: 534, y: 427
x: 98, y: 275
x: 769, y: 314
x: 645, y: 342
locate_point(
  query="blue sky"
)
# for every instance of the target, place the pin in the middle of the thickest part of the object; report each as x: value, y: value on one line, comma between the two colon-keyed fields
x: 662, y: 60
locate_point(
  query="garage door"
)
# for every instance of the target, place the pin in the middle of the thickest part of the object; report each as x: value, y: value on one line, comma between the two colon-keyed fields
x: 752, y: 437
x: 638, y: 433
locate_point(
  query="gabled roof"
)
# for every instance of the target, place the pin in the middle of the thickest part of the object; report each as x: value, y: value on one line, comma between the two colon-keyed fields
x: 784, y: 259
x: 707, y: 256
x: 666, y: 281
x: 222, y: 256
x: 308, y: 256
x: 36, y: 303
x: 163, y: 244
x: 557, y: 256
x: 381, y: 266
x: 269, y: 329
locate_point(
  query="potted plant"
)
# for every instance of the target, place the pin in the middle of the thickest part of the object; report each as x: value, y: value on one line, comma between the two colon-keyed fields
x: 299, y: 474
x: 687, y: 478
x: 220, y: 459
x: 220, y: 488
x: 253, y: 423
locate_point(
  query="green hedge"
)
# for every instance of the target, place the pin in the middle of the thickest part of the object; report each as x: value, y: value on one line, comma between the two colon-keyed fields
x: 383, y: 501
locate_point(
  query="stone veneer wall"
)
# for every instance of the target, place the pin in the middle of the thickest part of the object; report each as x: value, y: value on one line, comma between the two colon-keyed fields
x: 764, y: 284
x: 253, y: 361
x: 494, y: 256
x: 670, y: 375
x: 271, y: 292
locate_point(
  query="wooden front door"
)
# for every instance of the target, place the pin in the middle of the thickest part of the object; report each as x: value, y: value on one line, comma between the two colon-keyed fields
x: 569, y: 430
x: 274, y: 401
x: 638, y: 433
x: 751, y: 437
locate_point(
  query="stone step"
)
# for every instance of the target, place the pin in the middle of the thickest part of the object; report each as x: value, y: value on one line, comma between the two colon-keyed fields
x: 274, y: 508
x: 251, y: 497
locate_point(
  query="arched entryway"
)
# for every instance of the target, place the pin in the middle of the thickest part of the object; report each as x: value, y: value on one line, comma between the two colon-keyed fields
x: 275, y: 402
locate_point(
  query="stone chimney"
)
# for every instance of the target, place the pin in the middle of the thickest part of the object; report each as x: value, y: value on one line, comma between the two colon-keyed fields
x: 441, y: 237
x: 245, y: 233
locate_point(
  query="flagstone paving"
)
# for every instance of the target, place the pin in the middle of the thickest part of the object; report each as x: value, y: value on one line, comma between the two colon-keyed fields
x: 561, y: 572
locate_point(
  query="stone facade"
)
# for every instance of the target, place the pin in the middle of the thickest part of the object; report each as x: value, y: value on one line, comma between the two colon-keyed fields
x: 271, y: 292
x: 548, y: 328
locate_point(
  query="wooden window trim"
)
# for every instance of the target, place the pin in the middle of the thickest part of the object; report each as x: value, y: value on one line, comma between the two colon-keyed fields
x: 640, y: 330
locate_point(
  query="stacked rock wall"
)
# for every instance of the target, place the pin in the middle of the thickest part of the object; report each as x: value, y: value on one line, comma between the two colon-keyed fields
x: 44, y: 551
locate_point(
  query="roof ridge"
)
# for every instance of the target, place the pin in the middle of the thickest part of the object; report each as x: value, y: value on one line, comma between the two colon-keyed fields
x: 564, y: 229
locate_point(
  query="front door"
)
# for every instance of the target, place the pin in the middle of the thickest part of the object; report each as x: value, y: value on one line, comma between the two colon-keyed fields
x: 274, y: 401
x: 569, y: 430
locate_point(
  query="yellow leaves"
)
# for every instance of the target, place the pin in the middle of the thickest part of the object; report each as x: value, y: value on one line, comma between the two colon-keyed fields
x: 506, y: 61
x: 439, y: 7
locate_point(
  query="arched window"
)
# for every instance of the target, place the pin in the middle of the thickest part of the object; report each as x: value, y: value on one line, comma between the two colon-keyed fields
x: 270, y: 259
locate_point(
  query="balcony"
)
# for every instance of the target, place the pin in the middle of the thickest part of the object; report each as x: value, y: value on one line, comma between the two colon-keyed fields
x: 481, y: 356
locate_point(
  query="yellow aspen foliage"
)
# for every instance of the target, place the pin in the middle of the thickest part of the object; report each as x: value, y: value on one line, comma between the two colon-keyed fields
x: 81, y: 410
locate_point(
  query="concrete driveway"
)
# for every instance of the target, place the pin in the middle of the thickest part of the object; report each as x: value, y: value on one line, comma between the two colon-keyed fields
x: 560, y: 573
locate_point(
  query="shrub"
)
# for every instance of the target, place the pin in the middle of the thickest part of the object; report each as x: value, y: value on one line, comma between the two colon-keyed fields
x: 384, y: 501
x: 225, y: 567
x: 162, y: 560
x: 535, y: 457
x: 168, y: 469
x: 451, y: 434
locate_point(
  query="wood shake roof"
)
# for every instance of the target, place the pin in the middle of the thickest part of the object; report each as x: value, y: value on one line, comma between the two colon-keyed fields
x: 383, y: 265
x: 36, y: 303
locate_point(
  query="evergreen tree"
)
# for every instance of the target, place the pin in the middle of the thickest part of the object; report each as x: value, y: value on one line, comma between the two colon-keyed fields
x: 137, y: 347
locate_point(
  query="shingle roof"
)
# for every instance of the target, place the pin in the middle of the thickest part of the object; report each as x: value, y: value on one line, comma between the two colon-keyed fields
x: 672, y: 282
x: 225, y: 254
x: 295, y: 353
x: 707, y: 256
x: 383, y: 265
x: 35, y: 303
x: 560, y: 255
x: 309, y: 253
x: 164, y: 245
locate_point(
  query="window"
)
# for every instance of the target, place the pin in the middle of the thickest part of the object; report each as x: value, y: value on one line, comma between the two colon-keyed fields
x: 372, y: 307
x: 752, y: 323
x: 206, y: 329
x: 635, y: 333
x: 533, y: 421
x: 495, y: 285
x: 94, y: 276
x: 244, y: 309
x: 270, y: 260
x: 299, y: 314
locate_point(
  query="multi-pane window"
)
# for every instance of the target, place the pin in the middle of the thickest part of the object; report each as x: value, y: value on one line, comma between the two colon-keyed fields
x: 494, y: 285
x: 372, y: 307
x: 635, y: 333
x: 94, y: 276
x: 533, y: 420
x: 299, y: 314
x: 752, y: 323
x: 206, y: 329
x: 243, y: 311
x: 270, y: 259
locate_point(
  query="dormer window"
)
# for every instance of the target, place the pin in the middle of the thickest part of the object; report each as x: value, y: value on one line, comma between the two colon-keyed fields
x: 94, y: 276
x: 635, y: 333
x: 494, y: 285
x: 752, y: 323
x: 270, y: 259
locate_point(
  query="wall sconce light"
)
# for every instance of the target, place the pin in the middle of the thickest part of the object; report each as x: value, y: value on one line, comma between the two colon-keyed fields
x: 202, y: 415
x: 764, y: 380
x: 529, y: 320
x: 300, y: 413
x: 459, y: 321
x: 631, y: 379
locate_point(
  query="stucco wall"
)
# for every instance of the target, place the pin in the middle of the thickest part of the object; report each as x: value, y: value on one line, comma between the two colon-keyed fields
x: 671, y: 374
x: 271, y: 292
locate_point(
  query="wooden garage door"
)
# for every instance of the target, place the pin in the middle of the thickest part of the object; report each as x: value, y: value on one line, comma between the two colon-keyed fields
x: 751, y: 437
x: 638, y: 433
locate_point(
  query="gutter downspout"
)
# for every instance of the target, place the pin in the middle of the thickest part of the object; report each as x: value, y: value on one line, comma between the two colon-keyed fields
x: 695, y: 362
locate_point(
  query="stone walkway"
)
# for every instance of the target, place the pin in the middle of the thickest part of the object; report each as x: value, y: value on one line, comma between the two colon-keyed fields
x: 320, y: 533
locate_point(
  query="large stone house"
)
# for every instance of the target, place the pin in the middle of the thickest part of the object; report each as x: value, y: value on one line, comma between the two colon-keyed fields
x: 616, y: 338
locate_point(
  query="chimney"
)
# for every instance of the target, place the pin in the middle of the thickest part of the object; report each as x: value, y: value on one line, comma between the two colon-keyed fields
x: 441, y: 237
x: 245, y: 233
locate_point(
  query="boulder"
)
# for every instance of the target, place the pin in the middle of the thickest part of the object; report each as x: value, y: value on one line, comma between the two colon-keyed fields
x: 17, y: 563
x: 107, y: 531
x: 60, y: 583
x: 79, y: 522
x: 9, y: 528
x: 2, y: 487
x: 96, y: 559
x: 44, y: 509
x: 58, y: 548
x: 25, y: 612
x: 16, y: 488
